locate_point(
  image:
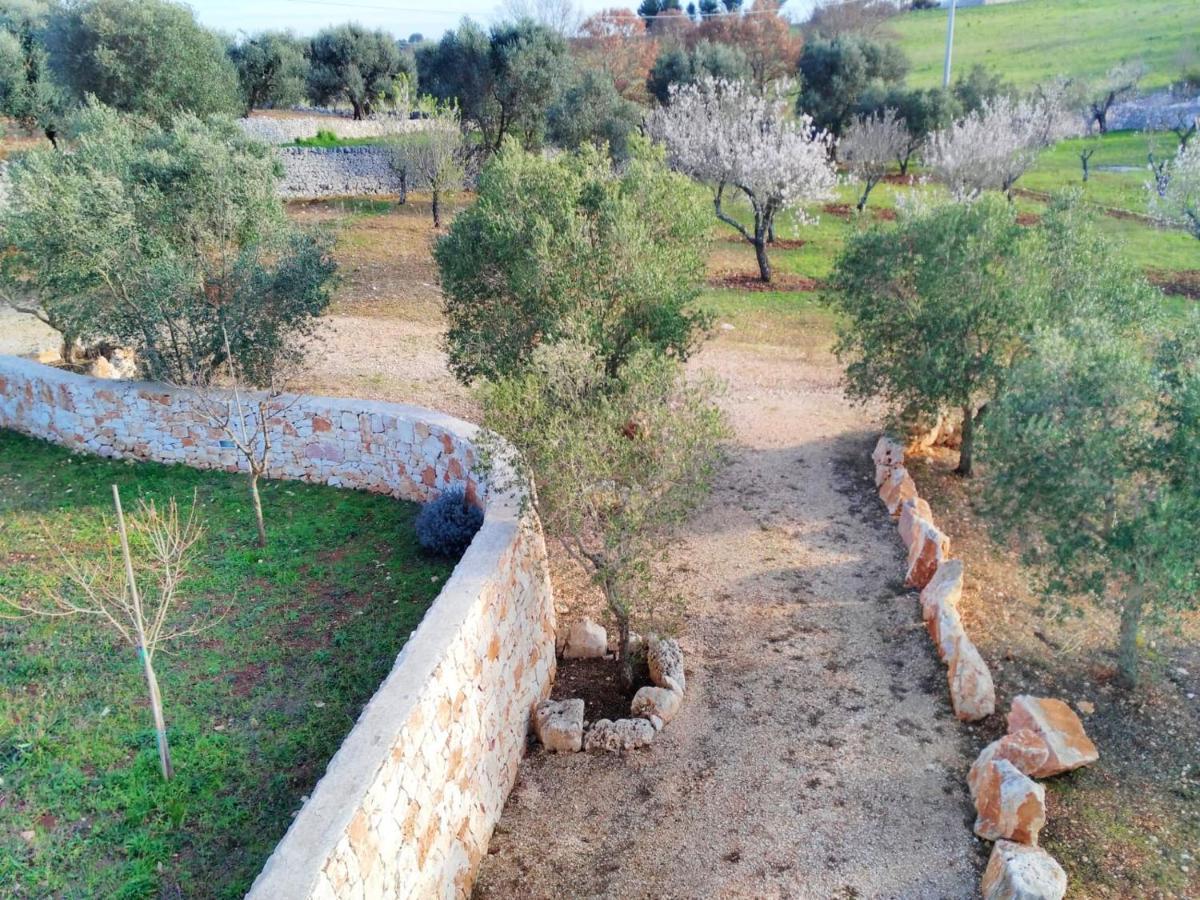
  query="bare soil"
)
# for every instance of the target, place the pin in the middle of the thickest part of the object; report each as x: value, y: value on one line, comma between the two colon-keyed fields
x: 815, y: 754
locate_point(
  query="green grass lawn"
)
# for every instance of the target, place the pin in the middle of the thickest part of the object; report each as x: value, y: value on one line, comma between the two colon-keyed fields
x: 1118, y: 168
x: 255, y: 707
x: 327, y: 139
x: 1033, y: 40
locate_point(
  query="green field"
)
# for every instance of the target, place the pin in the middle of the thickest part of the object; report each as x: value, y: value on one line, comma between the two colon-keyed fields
x: 1033, y: 40
x: 255, y: 707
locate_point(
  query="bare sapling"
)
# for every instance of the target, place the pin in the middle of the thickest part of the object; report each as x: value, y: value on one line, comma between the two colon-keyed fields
x: 133, y: 591
x: 246, y: 424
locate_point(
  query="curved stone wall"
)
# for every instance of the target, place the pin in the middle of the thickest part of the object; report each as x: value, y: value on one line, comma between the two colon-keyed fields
x: 408, y: 803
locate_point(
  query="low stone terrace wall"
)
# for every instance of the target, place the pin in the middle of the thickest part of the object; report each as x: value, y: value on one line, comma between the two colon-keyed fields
x: 407, y: 805
x: 312, y: 173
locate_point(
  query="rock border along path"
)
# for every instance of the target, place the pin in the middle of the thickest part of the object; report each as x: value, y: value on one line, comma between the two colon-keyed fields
x: 816, y: 754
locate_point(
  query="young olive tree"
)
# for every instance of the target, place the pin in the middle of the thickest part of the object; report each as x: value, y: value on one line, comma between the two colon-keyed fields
x: 133, y: 591
x: 562, y: 245
x: 1175, y: 191
x: 729, y: 136
x: 169, y: 241
x: 937, y: 308
x: 433, y: 159
x: 1093, y: 446
x: 869, y: 145
x: 617, y: 459
x: 991, y: 148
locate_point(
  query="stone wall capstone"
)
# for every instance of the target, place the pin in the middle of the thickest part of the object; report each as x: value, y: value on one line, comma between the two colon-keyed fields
x: 407, y: 804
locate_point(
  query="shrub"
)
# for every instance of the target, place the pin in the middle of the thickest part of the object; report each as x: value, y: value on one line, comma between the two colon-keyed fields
x: 445, y: 526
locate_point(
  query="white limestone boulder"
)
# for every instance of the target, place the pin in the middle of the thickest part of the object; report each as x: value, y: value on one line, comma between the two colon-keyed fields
x: 559, y: 725
x: 1019, y: 872
x: 586, y: 640
x: 623, y: 734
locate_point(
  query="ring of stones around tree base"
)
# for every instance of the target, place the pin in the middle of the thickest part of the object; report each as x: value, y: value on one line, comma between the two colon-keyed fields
x: 559, y: 724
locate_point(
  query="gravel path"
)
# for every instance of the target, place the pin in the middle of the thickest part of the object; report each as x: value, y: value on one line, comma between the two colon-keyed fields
x: 815, y: 755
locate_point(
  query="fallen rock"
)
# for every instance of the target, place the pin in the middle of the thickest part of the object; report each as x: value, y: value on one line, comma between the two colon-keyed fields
x: 665, y: 660
x: 1025, y: 749
x: 649, y: 702
x: 929, y: 549
x: 912, y: 511
x: 623, y: 734
x: 1018, y: 872
x: 1010, y: 804
x: 635, y: 642
x: 972, y: 693
x: 1087, y: 707
x: 1059, y: 727
x: 888, y: 452
x: 944, y: 591
x: 897, y: 488
x: 586, y: 640
x: 559, y: 725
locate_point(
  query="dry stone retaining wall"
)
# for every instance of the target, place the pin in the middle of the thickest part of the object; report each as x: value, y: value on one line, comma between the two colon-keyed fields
x: 313, y: 172
x: 408, y: 803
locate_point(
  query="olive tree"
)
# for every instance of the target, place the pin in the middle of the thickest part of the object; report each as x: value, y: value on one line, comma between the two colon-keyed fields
x: 29, y: 92
x: 617, y: 459
x: 728, y: 135
x: 868, y: 146
x: 937, y: 309
x: 166, y: 240
x: 271, y: 70
x: 351, y: 63
x: 1093, y: 446
x: 143, y: 56
x: 432, y: 159
x: 566, y: 245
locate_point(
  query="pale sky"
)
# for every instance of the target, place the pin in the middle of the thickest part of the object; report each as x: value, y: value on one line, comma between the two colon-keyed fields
x: 400, y: 17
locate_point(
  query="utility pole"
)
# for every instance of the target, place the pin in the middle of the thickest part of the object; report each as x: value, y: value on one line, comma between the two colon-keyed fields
x: 949, y: 45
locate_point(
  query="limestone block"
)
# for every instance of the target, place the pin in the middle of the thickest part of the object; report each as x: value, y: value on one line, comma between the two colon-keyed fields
x: 929, y: 549
x: 623, y: 734
x: 665, y: 660
x: 586, y: 640
x: 559, y: 725
x: 888, y: 452
x: 1010, y: 804
x: 897, y: 488
x: 1025, y: 749
x: 1059, y: 727
x: 912, y: 511
x: 1019, y: 872
x: 972, y: 692
x: 649, y: 702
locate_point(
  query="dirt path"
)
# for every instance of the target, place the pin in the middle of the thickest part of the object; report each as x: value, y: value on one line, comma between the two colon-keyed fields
x: 815, y: 755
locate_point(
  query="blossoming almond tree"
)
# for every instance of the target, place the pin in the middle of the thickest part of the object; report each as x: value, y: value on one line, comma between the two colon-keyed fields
x: 991, y: 148
x: 1175, y: 191
x: 868, y: 146
x: 728, y: 135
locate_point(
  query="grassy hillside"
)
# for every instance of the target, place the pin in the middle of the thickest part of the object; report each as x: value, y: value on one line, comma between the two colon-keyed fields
x: 1032, y: 40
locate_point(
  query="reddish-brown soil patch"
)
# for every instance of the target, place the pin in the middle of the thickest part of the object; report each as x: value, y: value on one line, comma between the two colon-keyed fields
x: 897, y: 178
x: 1028, y: 219
x: 886, y: 214
x: 598, y: 683
x: 841, y: 210
x: 1181, y: 284
x: 744, y: 281
x: 777, y: 244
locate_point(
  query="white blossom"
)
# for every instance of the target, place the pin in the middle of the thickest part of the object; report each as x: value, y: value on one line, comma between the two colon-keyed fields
x: 1175, y: 198
x: 870, y: 144
x: 726, y: 134
x: 994, y: 146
